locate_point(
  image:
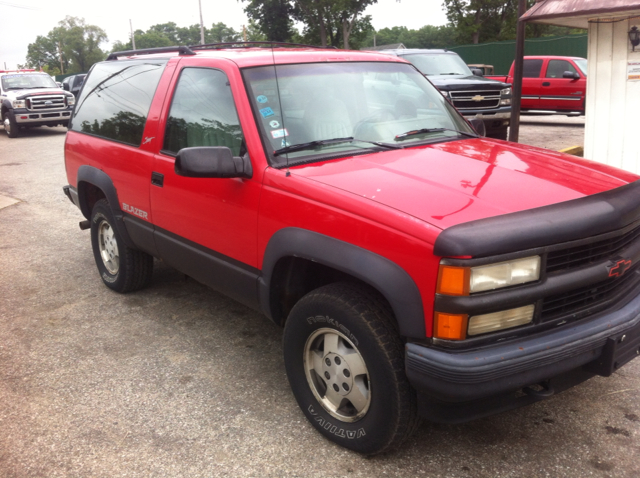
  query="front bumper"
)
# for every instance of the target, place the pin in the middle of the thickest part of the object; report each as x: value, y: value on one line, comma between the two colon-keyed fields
x: 25, y: 117
x: 490, y: 375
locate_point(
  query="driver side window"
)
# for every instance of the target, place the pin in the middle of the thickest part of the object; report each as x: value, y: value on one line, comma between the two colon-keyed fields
x: 203, y: 113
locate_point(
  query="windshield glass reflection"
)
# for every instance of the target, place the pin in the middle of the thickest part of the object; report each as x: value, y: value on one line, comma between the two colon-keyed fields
x: 315, y: 111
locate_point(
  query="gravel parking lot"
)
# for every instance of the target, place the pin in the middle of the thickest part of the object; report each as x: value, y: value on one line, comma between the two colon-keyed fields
x: 179, y: 381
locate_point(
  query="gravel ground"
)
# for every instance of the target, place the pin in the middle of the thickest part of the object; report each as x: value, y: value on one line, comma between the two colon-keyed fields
x: 179, y: 381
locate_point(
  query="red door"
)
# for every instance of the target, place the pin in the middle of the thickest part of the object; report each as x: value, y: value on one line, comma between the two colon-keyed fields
x: 217, y: 216
x: 562, y: 94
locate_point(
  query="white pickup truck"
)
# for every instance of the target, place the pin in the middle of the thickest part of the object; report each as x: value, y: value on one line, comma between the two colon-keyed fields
x: 31, y: 98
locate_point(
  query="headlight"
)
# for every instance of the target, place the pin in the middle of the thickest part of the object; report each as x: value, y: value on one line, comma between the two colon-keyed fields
x: 19, y: 104
x: 505, y: 92
x: 505, y: 102
x: 71, y: 100
x: 506, y: 319
x: 454, y: 280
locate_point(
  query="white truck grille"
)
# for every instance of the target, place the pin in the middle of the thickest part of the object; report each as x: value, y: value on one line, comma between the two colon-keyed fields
x: 46, y: 103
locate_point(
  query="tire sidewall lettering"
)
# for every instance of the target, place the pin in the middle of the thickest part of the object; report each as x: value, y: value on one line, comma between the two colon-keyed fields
x: 322, y: 319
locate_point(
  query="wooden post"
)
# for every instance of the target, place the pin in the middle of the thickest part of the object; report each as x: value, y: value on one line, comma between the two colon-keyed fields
x: 516, y: 101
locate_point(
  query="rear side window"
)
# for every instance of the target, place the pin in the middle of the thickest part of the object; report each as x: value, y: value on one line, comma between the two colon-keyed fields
x: 116, y: 98
x: 203, y: 113
x: 531, y: 68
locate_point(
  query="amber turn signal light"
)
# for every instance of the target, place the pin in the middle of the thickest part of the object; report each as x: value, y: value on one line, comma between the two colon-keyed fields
x: 450, y: 326
x: 453, y: 280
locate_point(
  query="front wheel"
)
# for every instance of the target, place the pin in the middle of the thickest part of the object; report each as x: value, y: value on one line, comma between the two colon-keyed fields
x: 10, y: 125
x: 345, y: 363
x: 121, y: 268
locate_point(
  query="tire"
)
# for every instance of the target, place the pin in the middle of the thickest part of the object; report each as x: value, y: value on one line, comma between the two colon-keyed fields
x: 121, y: 268
x: 345, y: 363
x: 499, y: 134
x: 10, y: 125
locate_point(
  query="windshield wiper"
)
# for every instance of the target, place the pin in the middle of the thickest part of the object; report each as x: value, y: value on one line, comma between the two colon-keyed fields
x: 414, y: 132
x: 311, y: 145
x: 450, y: 73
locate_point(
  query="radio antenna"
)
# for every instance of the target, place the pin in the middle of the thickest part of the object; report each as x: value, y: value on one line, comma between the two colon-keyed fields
x: 284, y: 128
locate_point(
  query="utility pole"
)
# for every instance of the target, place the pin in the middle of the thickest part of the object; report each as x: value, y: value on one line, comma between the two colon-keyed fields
x: 60, y: 54
x: 201, y: 24
x: 133, y: 39
x: 518, y: 64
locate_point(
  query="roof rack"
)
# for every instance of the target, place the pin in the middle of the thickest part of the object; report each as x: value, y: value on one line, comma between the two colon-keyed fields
x: 248, y: 44
x: 182, y: 50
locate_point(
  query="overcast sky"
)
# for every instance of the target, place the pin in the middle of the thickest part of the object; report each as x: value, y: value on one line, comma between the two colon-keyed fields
x: 24, y: 20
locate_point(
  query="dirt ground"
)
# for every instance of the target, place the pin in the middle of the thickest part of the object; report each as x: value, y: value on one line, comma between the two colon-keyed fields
x: 179, y: 381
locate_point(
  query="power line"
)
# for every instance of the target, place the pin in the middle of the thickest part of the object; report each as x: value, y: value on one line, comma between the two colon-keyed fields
x: 15, y: 5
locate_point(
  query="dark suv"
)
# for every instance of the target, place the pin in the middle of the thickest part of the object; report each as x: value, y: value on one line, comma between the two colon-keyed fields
x: 416, y: 267
x: 73, y: 83
x: 473, y: 95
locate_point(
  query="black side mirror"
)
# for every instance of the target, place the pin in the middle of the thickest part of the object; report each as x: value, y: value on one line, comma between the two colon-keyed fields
x: 212, y: 162
x: 478, y: 125
x: 65, y: 86
x: 571, y: 74
x: 477, y: 72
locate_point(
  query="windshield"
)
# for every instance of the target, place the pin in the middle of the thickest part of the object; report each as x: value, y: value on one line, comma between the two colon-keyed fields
x: 316, y: 111
x: 22, y: 81
x: 438, y: 64
x: 582, y: 64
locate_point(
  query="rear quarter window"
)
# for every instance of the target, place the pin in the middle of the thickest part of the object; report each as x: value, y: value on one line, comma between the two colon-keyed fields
x: 531, y: 68
x: 116, y: 98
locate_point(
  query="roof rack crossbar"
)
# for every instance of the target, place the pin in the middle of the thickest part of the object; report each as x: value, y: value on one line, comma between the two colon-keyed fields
x: 182, y: 50
x: 246, y: 44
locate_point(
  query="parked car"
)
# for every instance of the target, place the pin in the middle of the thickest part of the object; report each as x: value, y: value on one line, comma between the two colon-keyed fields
x: 552, y: 84
x: 473, y: 96
x: 31, y: 98
x: 417, y: 268
x: 73, y: 83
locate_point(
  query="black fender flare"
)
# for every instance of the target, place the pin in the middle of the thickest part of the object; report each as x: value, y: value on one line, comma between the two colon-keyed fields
x: 6, y: 105
x: 100, y: 179
x: 388, y: 278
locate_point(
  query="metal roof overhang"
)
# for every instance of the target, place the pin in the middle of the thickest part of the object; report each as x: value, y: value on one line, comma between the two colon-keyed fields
x: 578, y: 13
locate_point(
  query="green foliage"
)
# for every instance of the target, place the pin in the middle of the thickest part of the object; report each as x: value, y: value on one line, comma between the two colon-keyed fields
x: 482, y: 21
x: 272, y: 17
x: 337, y: 23
x: 169, y: 34
x: 76, y: 42
x: 428, y: 36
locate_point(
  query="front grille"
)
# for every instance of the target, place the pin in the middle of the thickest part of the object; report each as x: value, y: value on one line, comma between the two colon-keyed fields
x: 589, y: 299
x: 594, y: 251
x: 46, y: 102
x: 483, y: 99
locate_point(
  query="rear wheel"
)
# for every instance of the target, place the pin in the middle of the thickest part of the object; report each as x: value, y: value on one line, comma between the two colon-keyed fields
x: 121, y: 268
x: 345, y: 363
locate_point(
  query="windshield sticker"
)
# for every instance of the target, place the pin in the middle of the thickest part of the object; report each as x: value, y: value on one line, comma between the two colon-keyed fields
x: 279, y: 133
x: 262, y: 99
x: 274, y: 124
x: 266, y: 112
x: 285, y: 143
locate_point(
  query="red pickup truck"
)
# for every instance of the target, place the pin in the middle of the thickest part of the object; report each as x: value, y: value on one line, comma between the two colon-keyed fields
x: 416, y: 267
x: 552, y: 84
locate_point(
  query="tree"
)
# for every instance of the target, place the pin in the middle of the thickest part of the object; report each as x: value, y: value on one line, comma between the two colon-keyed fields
x: 273, y: 18
x: 481, y: 21
x: 71, y: 47
x: 331, y: 22
x: 221, y: 33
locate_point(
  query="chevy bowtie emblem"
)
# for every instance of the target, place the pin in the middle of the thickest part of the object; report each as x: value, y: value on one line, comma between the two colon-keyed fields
x: 619, y: 267
x: 477, y: 98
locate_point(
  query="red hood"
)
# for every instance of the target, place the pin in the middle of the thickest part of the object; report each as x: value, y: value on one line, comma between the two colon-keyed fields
x: 460, y: 181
